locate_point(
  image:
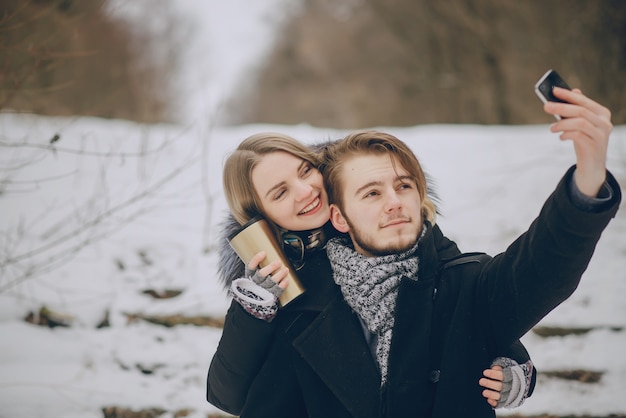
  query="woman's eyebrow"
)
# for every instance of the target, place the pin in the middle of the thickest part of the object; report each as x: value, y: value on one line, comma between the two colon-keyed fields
x: 276, y: 186
x: 282, y: 183
x: 302, y: 164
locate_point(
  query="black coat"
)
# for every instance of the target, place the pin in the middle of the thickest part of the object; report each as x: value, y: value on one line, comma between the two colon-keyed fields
x: 314, y: 360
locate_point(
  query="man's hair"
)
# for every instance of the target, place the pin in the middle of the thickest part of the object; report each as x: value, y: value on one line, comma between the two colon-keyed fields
x: 242, y: 199
x: 367, y: 143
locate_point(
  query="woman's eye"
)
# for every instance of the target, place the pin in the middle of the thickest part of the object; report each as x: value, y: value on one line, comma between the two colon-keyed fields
x: 280, y: 194
x: 306, y: 170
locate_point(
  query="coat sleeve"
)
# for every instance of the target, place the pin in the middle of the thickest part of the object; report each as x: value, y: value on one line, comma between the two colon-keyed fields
x: 276, y: 391
x: 543, y: 267
x: 239, y: 356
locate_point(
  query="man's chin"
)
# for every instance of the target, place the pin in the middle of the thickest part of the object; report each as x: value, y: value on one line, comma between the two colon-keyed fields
x: 383, y: 249
x: 399, y: 248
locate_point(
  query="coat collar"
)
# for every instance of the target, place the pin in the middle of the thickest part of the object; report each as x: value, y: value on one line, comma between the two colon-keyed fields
x: 433, y: 249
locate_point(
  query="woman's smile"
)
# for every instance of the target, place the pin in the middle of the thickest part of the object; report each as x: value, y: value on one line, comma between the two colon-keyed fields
x: 311, y: 207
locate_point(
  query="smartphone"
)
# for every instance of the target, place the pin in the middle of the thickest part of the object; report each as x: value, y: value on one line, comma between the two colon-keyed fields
x: 544, y: 87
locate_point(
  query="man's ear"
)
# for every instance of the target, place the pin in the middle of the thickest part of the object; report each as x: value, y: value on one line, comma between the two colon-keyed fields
x: 338, y: 220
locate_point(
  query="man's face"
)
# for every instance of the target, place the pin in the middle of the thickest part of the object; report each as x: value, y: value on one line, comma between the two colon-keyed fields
x: 381, y: 205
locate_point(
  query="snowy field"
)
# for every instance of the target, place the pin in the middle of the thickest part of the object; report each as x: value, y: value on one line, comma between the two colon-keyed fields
x: 114, y: 210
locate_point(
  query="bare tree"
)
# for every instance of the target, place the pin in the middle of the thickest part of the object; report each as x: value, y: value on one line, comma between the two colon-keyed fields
x: 38, y: 242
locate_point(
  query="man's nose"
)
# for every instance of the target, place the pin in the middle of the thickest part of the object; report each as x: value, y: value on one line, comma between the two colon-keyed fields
x: 393, y: 201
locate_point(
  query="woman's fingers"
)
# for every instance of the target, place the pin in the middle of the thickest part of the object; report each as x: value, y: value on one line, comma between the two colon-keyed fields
x: 256, y: 260
x: 492, y: 382
x: 275, y: 270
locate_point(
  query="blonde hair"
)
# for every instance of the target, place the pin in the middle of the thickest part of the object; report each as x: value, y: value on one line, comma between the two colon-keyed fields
x: 242, y: 199
x: 373, y: 142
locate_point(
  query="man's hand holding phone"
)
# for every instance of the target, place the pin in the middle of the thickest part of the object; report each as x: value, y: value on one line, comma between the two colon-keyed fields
x: 588, y: 125
x: 544, y: 88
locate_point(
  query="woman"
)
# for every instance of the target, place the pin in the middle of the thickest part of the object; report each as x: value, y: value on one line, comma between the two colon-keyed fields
x: 275, y: 176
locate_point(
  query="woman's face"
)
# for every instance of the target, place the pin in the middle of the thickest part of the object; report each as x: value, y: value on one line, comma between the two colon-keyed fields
x: 291, y: 191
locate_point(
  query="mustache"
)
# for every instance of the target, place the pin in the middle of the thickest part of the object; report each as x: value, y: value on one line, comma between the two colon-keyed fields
x: 395, y: 219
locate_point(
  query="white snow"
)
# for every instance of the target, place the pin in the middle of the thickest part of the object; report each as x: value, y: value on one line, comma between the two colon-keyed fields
x: 115, y: 208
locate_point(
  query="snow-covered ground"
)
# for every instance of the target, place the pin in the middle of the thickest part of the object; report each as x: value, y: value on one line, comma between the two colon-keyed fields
x: 115, y: 208
x: 118, y: 224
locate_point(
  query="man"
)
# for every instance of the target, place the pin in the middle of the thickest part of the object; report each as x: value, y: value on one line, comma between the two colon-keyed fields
x: 435, y: 316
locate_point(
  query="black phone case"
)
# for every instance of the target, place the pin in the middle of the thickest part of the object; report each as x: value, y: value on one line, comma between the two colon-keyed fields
x: 546, y: 83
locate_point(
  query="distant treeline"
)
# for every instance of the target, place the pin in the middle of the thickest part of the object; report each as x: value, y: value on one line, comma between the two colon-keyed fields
x: 344, y: 64
x: 364, y: 63
x: 71, y: 57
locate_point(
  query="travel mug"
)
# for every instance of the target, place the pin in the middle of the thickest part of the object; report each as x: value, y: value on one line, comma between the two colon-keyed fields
x: 256, y: 235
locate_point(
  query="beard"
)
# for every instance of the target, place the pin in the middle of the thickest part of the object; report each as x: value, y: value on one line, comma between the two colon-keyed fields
x: 373, y: 247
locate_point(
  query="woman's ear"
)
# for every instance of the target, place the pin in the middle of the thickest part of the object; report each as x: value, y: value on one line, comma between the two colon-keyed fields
x: 338, y: 220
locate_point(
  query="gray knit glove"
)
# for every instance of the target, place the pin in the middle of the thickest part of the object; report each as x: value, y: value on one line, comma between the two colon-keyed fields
x: 516, y: 382
x: 265, y: 282
x: 257, y: 295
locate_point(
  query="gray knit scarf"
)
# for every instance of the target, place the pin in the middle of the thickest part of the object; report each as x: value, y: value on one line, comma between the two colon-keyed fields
x: 370, y: 286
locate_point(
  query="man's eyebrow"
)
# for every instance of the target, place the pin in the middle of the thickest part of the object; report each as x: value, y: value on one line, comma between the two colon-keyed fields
x: 282, y: 183
x: 365, y: 186
x: 402, y: 179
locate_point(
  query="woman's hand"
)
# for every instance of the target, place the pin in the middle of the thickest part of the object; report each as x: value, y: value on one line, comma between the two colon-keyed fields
x: 276, y: 270
x: 492, y: 382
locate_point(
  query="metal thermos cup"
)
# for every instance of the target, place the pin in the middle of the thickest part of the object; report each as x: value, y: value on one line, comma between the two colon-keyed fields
x: 256, y: 235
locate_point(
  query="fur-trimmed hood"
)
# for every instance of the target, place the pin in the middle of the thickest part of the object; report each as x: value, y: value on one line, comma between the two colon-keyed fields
x: 229, y: 265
